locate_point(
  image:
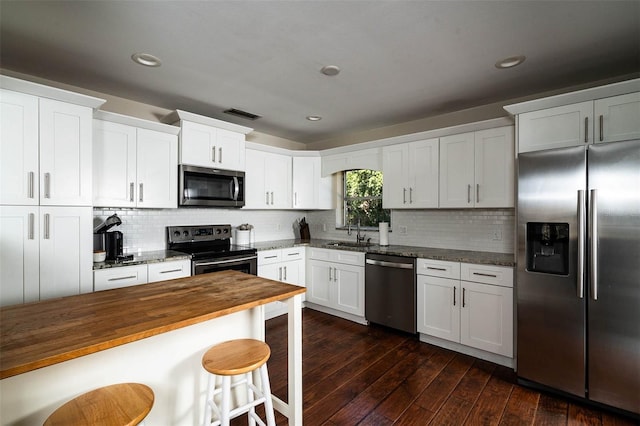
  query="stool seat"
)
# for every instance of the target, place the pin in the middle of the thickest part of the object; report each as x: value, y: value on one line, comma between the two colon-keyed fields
x: 119, y: 404
x: 236, y: 357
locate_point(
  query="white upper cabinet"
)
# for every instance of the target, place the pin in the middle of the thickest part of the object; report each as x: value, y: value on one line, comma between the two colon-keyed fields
x: 410, y: 173
x: 267, y: 180
x: 603, y: 114
x: 477, y: 169
x: 46, y: 151
x: 310, y: 189
x: 134, y: 166
x: 19, y: 171
x: 207, y: 142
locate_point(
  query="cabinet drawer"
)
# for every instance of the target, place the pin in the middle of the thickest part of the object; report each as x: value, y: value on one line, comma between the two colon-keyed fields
x: 293, y: 253
x: 267, y: 257
x: 105, y: 279
x: 169, y: 270
x: 438, y: 268
x: 487, y: 274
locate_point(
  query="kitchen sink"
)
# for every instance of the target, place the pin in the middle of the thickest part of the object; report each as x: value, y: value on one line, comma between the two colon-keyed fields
x: 348, y: 244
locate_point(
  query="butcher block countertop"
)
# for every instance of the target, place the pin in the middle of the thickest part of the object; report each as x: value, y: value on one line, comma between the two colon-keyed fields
x: 39, y: 334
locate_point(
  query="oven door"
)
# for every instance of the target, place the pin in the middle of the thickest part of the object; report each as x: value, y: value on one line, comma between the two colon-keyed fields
x: 246, y: 264
x: 201, y: 186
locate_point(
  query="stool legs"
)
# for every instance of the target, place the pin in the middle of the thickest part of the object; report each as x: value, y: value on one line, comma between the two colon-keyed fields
x: 266, y: 389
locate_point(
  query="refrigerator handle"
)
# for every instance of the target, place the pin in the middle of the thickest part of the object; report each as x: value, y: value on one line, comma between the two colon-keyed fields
x: 581, y: 244
x: 593, y: 254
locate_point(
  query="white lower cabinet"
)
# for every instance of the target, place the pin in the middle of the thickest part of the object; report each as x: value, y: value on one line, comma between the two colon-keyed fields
x: 285, y: 265
x: 335, y: 280
x: 125, y: 276
x: 467, y: 304
x: 45, y: 252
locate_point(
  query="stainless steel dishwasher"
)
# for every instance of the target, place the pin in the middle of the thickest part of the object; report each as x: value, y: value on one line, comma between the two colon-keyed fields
x: 390, y: 291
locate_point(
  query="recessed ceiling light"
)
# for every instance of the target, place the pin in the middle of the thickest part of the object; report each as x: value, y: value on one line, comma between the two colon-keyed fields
x: 330, y: 70
x: 510, y: 62
x: 146, y: 59
x: 314, y: 118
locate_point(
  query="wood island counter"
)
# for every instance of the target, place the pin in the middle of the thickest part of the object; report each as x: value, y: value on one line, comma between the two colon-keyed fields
x: 53, y: 350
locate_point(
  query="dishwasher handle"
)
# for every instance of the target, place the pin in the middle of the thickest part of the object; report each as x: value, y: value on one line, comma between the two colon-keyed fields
x: 389, y: 264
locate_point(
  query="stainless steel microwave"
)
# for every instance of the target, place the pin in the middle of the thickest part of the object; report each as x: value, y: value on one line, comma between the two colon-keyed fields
x: 206, y: 187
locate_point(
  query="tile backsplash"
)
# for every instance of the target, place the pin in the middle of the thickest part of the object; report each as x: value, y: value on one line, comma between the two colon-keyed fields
x: 469, y: 229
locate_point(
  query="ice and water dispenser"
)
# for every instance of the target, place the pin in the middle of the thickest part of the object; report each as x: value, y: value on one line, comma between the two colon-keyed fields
x: 548, y: 247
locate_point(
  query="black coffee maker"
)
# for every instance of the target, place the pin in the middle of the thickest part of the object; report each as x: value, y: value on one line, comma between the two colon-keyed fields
x: 110, y: 242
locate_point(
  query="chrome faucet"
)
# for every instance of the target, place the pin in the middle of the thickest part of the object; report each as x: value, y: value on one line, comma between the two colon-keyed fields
x: 359, y: 238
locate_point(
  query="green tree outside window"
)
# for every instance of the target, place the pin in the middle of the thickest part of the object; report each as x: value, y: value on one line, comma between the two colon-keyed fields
x: 363, y: 198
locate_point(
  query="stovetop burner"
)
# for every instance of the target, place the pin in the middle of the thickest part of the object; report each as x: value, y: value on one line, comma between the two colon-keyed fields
x: 205, y: 241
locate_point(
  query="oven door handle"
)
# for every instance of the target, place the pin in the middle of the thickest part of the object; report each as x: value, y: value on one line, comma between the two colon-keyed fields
x: 222, y: 262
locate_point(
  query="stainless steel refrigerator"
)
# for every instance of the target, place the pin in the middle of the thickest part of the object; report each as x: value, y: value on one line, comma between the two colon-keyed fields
x: 578, y: 278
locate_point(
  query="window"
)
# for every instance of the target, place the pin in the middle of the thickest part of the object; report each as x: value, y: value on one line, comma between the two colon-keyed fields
x: 363, y: 198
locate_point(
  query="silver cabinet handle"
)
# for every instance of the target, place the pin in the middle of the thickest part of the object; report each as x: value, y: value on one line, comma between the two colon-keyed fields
x: 272, y: 198
x: 266, y: 201
x: 122, y: 278
x: 285, y: 273
x: 171, y: 270
x: 295, y: 198
x: 464, y: 292
x: 586, y: 129
x: 280, y: 273
x: 220, y: 155
x: 485, y: 275
x: 47, y: 185
x: 581, y: 246
x: 601, y: 128
x: 141, y: 193
x: 270, y: 257
x: 410, y: 195
x: 454, y: 295
x: 32, y: 219
x: 46, y: 226
x: 31, y: 185
x: 436, y: 269
x: 294, y: 254
x: 468, y: 193
x: 594, y: 244
x: 213, y: 154
x: 335, y: 274
x: 131, y: 189
x: 404, y: 195
x: 330, y: 273
x: 477, y: 192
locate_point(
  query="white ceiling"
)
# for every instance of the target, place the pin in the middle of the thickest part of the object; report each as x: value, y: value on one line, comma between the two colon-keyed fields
x: 400, y: 60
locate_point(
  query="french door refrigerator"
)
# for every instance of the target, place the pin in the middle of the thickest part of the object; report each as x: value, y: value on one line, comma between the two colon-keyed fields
x: 578, y: 273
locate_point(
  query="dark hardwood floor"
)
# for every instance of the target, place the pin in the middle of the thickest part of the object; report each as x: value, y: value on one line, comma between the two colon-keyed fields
x: 358, y: 375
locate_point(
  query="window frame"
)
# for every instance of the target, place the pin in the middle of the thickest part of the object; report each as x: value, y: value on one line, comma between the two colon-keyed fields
x: 345, y: 199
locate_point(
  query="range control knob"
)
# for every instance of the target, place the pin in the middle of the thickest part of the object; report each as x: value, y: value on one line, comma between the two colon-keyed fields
x: 185, y: 233
x: 176, y: 233
x: 226, y: 231
x: 218, y: 231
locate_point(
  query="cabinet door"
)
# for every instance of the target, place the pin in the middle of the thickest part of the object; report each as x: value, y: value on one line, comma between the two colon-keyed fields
x: 278, y: 177
x: 395, y: 169
x: 424, y: 171
x: 319, y: 282
x: 18, y: 148
x: 256, y: 194
x: 65, y: 154
x: 270, y: 271
x: 439, y: 307
x: 568, y: 125
x: 349, y: 289
x: 306, y: 182
x: 170, y: 270
x: 291, y: 272
x: 66, y: 251
x: 230, y: 148
x: 486, y: 318
x: 114, y: 164
x: 197, y: 144
x: 618, y: 118
x: 157, y: 169
x: 494, y: 168
x: 19, y: 249
x: 124, y: 276
x: 457, y: 170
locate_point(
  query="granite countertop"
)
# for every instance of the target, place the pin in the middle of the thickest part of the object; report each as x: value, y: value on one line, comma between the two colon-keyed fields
x: 144, y: 258
x: 466, y: 256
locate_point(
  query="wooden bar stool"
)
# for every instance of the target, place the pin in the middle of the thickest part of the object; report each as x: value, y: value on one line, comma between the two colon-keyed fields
x: 122, y: 404
x: 232, y: 358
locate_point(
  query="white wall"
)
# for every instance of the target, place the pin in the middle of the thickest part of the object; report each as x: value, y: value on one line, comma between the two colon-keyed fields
x: 461, y: 229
